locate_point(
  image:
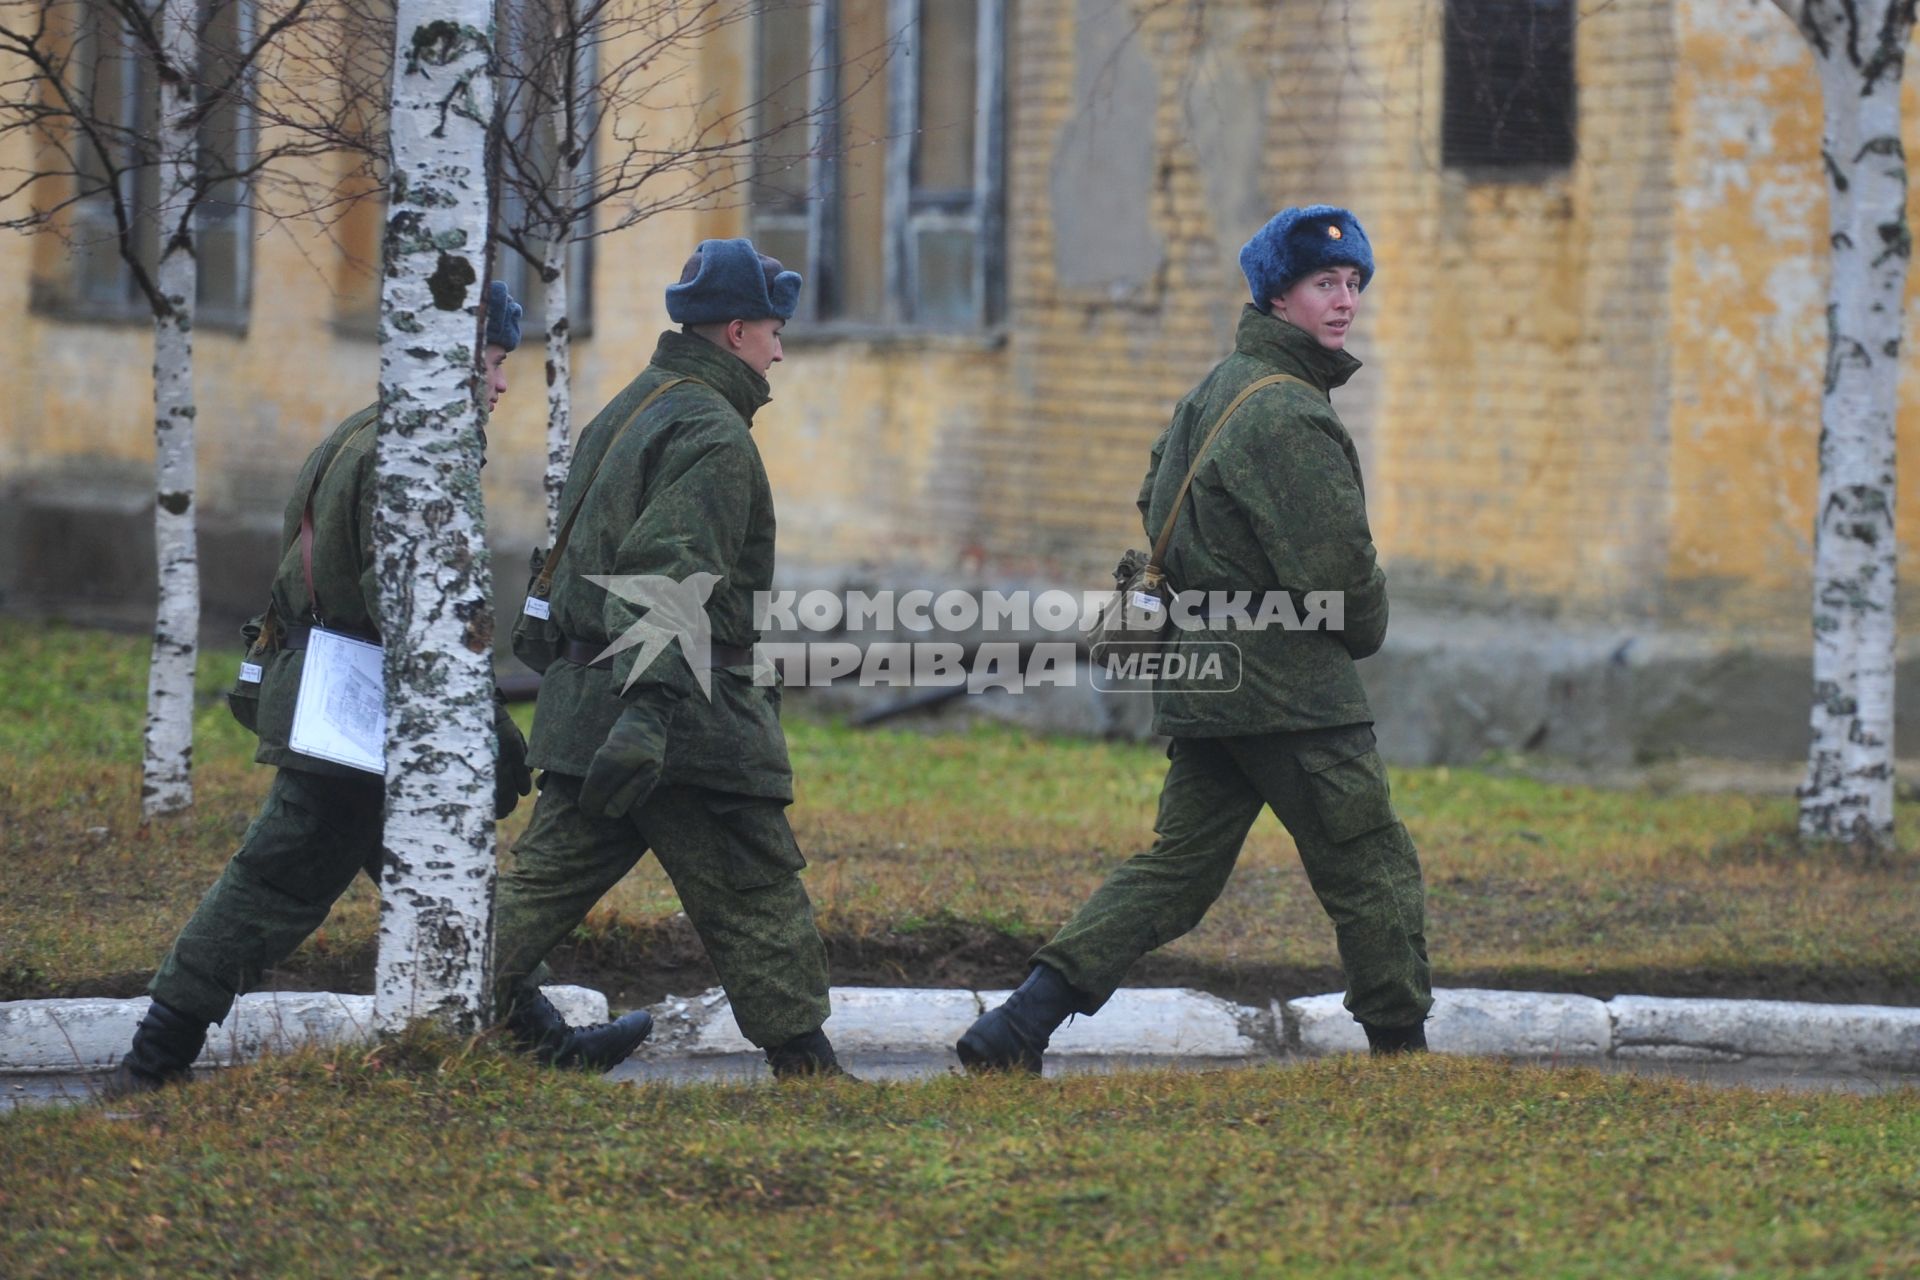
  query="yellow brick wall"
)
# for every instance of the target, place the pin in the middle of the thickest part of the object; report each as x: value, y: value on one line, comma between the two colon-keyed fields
x: 1749, y: 327
x: 1522, y: 332
x: 1591, y: 394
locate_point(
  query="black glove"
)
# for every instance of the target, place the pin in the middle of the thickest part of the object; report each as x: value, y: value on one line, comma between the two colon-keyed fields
x: 627, y: 766
x: 511, y: 777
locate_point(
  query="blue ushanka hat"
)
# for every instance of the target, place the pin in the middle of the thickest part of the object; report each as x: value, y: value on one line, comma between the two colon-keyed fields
x: 734, y: 281
x: 503, y: 317
x: 1296, y: 241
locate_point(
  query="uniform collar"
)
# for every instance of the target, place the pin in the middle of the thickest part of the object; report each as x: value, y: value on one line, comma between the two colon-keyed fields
x: 692, y: 356
x: 1292, y: 349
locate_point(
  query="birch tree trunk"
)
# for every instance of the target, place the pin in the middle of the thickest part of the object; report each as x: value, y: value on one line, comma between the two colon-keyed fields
x: 1860, y: 48
x: 436, y: 607
x: 167, y: 769
x: 553, y: 272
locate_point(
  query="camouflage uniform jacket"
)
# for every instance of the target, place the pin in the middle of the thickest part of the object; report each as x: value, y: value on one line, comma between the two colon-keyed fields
x: 683, y: 492
x: 342, y: 577
x: 1276, y: 505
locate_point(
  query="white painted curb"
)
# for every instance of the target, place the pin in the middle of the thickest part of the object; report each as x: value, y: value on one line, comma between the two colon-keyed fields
x: 1161, y: 1022
x: 1874, y: 1035
x: 91, y: 1035
x: 863, y: 1020
x: 1519, y: 1024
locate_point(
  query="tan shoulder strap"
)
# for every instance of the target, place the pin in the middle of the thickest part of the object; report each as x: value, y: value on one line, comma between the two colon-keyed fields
x: 544, y: 582
x: 1158, y: 560
x: 306, y: 518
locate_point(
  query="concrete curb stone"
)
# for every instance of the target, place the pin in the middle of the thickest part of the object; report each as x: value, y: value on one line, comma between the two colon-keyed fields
x: 89, y: 1035
x: 864, y: 1020
x: 1158, y: 1022
x: 1732, y: 1030
x: 1519, y: 1024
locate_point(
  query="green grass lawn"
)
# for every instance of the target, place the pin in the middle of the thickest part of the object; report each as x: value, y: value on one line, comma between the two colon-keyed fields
x: 406, y: 1162
x: 945, y: 859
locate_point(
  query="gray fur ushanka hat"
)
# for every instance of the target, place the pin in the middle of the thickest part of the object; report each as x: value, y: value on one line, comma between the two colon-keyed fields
x: 1297, y: 241
x: 733, y: 281
x: 503, y: 317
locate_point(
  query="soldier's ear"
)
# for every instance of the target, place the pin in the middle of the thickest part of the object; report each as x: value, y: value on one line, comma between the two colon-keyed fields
x: 737, y: 332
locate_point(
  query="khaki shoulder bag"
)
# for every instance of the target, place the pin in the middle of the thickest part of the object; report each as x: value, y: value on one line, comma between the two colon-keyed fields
x: 1137, y: 611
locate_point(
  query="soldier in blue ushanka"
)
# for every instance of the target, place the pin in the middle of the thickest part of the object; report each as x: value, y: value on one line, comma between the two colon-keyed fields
x: 321, y: 823
x: 669, y: 513
x: 1276, y: 505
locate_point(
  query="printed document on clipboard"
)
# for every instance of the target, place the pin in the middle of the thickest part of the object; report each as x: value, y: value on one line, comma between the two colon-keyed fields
x: 341, y: 712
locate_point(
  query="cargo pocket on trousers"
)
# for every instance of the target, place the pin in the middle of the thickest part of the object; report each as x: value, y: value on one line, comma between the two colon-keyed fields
x: 1348, y: 783
x: 759, y: 848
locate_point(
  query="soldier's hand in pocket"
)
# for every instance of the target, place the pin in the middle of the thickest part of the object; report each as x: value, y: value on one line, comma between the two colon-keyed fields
x: 627, y: 766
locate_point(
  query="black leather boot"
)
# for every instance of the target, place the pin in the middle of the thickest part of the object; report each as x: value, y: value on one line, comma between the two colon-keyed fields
x: 1014, y: 1037
x: 1385, y: 1042
x: 164, y: 1046
x: 539, y: 1029
x: 804, y: 1055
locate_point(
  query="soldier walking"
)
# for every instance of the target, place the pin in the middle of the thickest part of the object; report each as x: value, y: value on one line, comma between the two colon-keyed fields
x: 670, y: 534
x: 1276, y: 504
x: 321, y: 822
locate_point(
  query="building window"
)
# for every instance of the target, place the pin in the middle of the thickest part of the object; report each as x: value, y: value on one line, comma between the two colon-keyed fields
x: 520, y: 26
x: 1510, y: 101
x: 117, y: 83
x: 366, y: 78
x: 879, y: 165
x: 530, y: 162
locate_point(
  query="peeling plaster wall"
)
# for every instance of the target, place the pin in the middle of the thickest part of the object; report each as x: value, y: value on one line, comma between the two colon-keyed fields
x: 1749, y: 328
x: 1589, y: 394
x: 1520, y: 456
x: 1103, y: 159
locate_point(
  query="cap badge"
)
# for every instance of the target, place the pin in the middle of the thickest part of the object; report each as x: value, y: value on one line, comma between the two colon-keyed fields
x: 1333, y: 233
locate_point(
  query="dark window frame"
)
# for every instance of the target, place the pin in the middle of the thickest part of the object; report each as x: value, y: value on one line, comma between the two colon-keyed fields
x: 909, y: 212
x: 520, y: 275
x: 1510, y: 100
x: 95, y: 284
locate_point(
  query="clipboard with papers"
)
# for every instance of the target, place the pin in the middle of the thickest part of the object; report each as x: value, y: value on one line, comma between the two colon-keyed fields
x: 340, y: 713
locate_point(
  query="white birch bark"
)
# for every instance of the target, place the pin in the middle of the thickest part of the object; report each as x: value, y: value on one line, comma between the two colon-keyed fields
x: 568, y: 117
x: 559, y: 379
x: 1860, y: 49
x: 436, y: 608
x: 167, y: 768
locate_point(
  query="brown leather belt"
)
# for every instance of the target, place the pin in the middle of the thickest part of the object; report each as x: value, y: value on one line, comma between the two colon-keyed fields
x: 295, y: 637
x: 588, y: 655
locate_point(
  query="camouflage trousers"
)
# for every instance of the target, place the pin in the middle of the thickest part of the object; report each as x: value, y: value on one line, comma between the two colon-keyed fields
x: 312, y: 836
x: 1328, y: 787
x: 733, y: 861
